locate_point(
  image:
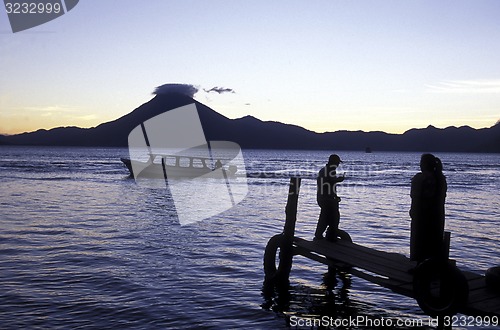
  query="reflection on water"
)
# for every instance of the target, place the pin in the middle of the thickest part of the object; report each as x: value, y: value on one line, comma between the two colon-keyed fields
x: 82, y: 245
x: 330, y: 299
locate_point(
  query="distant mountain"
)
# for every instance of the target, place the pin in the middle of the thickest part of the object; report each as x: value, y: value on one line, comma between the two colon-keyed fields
x: 250, y: 132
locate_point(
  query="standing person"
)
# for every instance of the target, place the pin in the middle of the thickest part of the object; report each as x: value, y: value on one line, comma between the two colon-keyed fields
x: 328, y: 200
x: 428, y: 193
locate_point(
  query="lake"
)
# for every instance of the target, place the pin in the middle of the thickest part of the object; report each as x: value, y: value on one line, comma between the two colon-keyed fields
x: 83, y: 245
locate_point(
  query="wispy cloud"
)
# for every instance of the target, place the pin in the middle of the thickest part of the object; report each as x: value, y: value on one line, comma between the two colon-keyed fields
x: 220, y: 90
x: 88, y: 117
x: 50, y: 109
x: 466, y: 86
x: 59, y: 111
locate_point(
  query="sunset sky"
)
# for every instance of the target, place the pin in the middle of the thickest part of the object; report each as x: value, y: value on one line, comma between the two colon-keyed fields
x: 324, y: 65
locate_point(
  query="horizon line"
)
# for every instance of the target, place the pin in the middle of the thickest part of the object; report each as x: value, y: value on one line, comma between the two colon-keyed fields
x: 275, y: 121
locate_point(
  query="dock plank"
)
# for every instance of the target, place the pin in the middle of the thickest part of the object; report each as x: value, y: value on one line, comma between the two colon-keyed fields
x: 391, y: 270
x: 488, y: 306
x: 476, y: 283
x: 386, y: 264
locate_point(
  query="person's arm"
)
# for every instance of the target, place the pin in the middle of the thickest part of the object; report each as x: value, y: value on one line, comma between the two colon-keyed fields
x: 340, y: 178
x: 333, y: 178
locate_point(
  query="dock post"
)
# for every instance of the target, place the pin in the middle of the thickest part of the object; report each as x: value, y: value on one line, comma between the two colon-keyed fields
x: 291, y: 209
x: 289, y: 229
x: 279, y: 276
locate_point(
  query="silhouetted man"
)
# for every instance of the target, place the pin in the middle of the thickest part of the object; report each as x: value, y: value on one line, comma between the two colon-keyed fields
x: 328, y: 200
x: 428, y: 193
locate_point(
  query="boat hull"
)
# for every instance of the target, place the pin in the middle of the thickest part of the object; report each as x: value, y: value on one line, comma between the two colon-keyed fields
x: 159, y: 171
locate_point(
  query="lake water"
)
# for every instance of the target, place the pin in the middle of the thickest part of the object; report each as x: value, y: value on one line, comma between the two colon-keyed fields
x: 83, y: 246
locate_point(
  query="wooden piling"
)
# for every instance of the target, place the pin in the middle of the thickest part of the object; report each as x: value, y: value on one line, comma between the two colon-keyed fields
x: 291, y: 209
x: 287, y: 252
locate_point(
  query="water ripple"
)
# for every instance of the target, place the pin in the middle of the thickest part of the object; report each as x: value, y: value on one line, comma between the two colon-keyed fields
x: 82, y: 246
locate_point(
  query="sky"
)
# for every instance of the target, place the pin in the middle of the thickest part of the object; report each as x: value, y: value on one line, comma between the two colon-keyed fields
x: 324, y: 65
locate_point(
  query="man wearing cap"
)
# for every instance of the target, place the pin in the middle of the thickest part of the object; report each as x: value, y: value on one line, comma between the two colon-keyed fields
x: 328, y: 200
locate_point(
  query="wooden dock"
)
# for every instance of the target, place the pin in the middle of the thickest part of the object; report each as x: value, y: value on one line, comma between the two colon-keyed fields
x: 439, y: 287
x: 391, y: 270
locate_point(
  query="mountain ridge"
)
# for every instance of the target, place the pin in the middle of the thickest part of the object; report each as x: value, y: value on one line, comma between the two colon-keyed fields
x: 253, y: 133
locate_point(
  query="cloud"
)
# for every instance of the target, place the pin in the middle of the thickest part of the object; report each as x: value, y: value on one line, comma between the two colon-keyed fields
x: 88, y: 117
x: 185, y: 89
x: 466, y: 86
x: 189, y: 90
x: 50, y: 109
x: 219, y: 90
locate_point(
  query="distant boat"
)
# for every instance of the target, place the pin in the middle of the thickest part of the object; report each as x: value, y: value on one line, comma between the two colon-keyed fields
x: 368, y: 150
x: 176, y: 166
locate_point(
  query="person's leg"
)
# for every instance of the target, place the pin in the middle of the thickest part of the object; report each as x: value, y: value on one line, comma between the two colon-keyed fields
x: 333, y: 221
x: 322, y: 224
x: 323, y: 219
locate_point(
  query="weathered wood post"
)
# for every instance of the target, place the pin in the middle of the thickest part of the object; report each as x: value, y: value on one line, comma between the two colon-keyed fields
x: 278, y: 276
x: 286, y: 255
x: 291, y: 209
